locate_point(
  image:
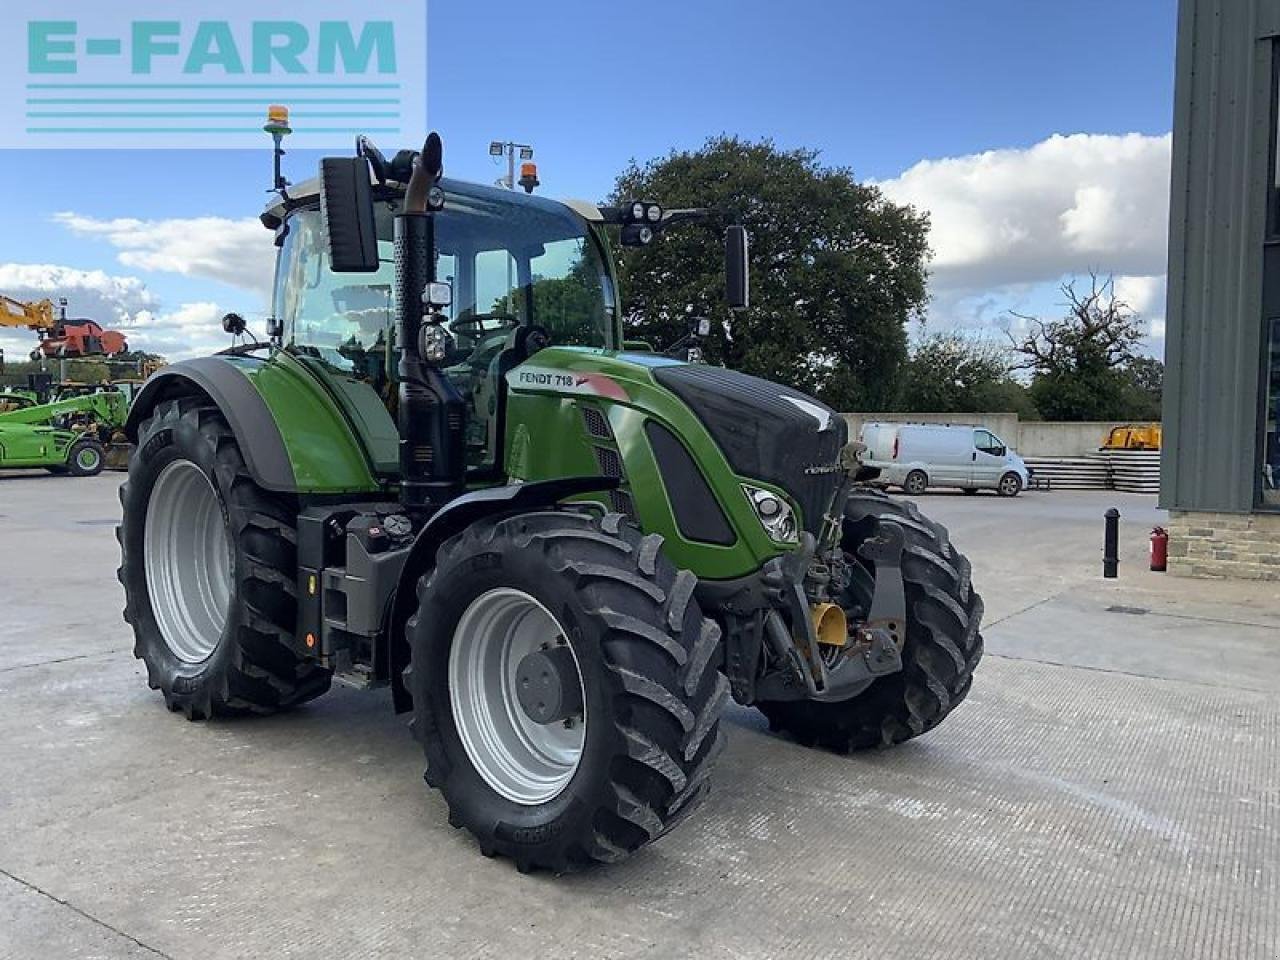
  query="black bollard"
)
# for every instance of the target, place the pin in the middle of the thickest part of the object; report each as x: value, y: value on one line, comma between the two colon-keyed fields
x: 1111, y: 544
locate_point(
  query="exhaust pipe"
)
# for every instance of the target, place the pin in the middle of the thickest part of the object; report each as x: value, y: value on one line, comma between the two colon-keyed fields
x: 432, y: 414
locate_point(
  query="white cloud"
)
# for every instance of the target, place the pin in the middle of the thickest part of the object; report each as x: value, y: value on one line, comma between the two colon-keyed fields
x: 1009, y: 225
x: 117, y: 302
x: 237, y: 252
x: 1063, y: 206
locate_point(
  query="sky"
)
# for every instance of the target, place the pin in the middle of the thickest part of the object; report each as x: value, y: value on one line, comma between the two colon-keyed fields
x: 1036, y: 134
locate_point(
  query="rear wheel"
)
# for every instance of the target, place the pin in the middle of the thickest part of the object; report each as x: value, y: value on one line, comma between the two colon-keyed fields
x: 564, y: 686
x: 208, y: 565
x: 1010, y: 485
x: 85, y: 458
x: 916, y: 483
x: 941, y: 649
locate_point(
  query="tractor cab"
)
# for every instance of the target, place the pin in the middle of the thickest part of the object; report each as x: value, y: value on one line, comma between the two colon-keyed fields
x: 524, y: 273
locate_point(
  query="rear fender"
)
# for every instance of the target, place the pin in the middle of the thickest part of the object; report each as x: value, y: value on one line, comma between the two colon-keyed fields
x: 452, y: 519
x: 294, y: 436
x: 233, y: 393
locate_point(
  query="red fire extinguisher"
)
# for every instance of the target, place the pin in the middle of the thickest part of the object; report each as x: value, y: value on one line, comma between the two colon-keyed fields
x: 1159, y: 549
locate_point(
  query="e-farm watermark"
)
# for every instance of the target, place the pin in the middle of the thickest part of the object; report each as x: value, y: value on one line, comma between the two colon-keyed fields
x: 163, y: 74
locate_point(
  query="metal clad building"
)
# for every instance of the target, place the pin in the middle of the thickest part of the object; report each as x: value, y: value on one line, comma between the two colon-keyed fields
x: 1221, y: 460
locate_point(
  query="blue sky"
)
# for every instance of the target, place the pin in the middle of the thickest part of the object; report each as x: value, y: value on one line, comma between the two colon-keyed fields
x: 876, y: 86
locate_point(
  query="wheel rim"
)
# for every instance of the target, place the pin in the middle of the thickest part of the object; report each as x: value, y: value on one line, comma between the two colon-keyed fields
x: 1009, y: 485
x: 87, y: 459
x: 915, y: 483
x: 187, y: 557
x: 526, y: 762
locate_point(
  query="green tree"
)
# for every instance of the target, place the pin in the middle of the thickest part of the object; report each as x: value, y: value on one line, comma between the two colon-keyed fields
x: 952, y: 373
x: 1146, y: 379
x: 1080, y: 363
x: 837, y: 270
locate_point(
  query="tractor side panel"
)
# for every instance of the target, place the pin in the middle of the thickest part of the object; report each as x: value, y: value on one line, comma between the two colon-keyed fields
x: 574, y: 412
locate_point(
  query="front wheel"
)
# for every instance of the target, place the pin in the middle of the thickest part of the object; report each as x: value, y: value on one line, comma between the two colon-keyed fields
x: 85, y: 458
x: 1010, y: 485
x: 916, y: 483
x: 939, y: 653
x: 564, y: 687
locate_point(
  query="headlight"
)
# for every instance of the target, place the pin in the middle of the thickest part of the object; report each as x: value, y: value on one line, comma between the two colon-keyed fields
x: 774, y: 514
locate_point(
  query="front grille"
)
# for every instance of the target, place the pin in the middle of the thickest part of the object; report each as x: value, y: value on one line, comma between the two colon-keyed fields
x: 609, y: 462
x: 596, y: 423
x: 621, y: 502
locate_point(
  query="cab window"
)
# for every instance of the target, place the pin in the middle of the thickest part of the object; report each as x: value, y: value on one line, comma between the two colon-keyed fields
x: 988, y: 442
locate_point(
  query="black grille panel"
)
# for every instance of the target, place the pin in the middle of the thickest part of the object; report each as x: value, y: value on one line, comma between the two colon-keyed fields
x: 766, y: 431
x: 609, y: 462
x: 596, y: 423
x: 621, y: 502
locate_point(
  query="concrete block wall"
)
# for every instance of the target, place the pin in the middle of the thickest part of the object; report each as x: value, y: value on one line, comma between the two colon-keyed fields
x: 1241, y: 546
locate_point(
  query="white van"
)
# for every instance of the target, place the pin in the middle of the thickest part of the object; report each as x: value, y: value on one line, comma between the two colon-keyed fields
x: 916, y: 456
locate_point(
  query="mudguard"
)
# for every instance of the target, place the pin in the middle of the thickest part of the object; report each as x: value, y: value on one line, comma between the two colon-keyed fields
x: 451, y: 519
x: 246, y: 411
x: 294, y: 436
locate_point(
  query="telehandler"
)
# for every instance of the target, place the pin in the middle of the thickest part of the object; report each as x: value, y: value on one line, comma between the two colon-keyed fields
x: 67, y: 436
x: 563, y: 556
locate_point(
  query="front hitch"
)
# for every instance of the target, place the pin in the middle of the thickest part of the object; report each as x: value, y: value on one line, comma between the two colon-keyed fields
x: 876, y: 644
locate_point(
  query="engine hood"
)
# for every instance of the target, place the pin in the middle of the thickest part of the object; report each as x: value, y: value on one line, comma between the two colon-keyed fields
x: 766, y: 431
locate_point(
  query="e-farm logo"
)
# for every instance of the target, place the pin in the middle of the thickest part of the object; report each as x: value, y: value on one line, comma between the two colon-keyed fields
x: 161, y: 74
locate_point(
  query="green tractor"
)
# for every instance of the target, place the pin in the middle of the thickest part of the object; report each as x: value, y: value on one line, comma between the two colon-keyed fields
x: 445, y: 473
x: 68, y: 436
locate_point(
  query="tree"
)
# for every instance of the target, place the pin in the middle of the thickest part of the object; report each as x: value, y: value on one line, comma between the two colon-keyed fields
x: 837, y: 270
x: 952, y: 373
x: 1146, y: 379
x: 1080, y: 363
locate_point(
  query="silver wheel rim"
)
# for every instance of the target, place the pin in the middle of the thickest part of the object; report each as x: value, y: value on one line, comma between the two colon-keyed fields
x: 1010, y: 485
x: 915, y: 483
x: 187, y: 558
x: 87, y: 458
x: 526, y: 762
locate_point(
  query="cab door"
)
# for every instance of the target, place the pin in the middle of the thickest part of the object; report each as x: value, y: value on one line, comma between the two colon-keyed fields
x: 987, y: 459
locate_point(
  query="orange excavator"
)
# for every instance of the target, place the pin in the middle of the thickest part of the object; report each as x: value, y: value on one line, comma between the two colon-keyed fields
x: 60, y: 337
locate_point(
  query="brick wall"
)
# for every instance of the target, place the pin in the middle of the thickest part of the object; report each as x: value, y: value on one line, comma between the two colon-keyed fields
x: 1242, y: 546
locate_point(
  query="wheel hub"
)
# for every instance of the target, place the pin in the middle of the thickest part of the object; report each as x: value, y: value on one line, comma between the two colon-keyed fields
x: 509, y: 730
x: 547, y: 685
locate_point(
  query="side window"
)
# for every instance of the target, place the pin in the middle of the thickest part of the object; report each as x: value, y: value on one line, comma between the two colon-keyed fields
x: 496, y: 282
x: 988, y: 442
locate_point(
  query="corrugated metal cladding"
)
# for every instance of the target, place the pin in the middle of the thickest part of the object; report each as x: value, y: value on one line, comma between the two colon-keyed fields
x: 1222, y: 170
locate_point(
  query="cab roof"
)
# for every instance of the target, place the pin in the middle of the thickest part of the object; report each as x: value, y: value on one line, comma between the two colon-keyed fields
x: 307, y: 193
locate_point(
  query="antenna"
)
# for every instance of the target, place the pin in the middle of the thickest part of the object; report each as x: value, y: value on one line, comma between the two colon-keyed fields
x: 278, y: 126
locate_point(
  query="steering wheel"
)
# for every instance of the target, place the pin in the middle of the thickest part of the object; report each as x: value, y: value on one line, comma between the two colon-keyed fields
x: 474, y: 325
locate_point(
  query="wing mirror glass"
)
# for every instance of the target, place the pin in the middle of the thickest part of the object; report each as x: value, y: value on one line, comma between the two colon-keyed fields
x: 346, y: 206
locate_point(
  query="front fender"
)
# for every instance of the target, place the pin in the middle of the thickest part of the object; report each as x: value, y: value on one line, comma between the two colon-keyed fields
x: 452, y: 519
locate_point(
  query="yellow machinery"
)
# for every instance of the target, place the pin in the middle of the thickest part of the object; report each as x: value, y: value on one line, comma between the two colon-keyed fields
x: 35, y: 315
x: 1133, y: 436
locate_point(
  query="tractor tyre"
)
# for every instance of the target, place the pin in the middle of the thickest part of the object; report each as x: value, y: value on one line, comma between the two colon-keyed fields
x: 86, y: 458
x: 209, y: 568
x: 940, y: 651
x: 565, y: 687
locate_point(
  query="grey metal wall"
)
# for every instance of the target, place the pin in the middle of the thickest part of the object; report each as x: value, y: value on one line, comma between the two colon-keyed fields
x: 1218, y: 222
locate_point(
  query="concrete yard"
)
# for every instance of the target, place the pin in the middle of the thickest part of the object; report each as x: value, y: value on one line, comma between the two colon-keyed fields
x: 1111, y: 788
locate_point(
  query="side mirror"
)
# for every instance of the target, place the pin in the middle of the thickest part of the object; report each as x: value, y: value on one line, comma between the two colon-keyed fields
x: 737, y: 268
x: 346, y: 205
